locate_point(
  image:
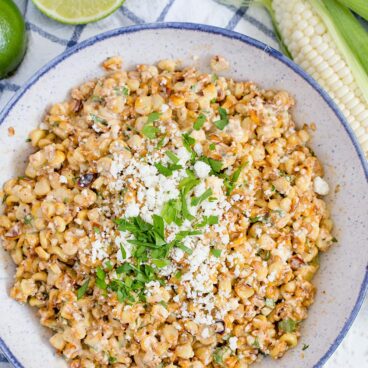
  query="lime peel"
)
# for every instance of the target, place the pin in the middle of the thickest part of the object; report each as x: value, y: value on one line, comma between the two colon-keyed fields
x: 13, y: 37
x: 77, y: 11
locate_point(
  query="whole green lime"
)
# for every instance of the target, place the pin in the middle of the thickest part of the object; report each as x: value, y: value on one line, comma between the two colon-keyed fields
x: 13, y: 37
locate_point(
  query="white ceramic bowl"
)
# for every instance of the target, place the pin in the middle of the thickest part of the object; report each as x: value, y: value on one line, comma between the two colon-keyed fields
x: 342, y: 279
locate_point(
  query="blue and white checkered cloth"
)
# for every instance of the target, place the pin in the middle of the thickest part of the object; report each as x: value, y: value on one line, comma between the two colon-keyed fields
x: 47, y: 39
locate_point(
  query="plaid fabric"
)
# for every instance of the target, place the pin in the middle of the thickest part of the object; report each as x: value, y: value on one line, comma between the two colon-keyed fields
x: 47, y: 39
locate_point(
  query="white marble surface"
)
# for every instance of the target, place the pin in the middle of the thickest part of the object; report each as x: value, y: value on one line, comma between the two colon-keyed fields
x: 48, y: 39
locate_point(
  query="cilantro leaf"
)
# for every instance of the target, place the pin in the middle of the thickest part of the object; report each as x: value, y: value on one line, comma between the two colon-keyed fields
x: 171, y: 155
x: 216, y: 252
x: 149, y: 130
x: 123, y: 252
x: 160, y: 263
x: 82, y: 290
x: 198, y: 124
x: 287, y: 325
x: 224, y: 119
x: 153, y: 116
x: 97, y: 119
x: 198, y: 200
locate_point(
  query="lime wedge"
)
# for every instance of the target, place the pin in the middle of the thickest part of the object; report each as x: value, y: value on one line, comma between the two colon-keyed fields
x: 13, y: 38
x: 77, y: 11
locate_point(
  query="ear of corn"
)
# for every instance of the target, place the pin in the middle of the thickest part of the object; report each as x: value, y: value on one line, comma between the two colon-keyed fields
x: 317, y: 46
x: 326, y: 40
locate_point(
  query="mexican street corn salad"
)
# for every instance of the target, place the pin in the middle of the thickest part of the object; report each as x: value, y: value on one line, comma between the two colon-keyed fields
x: 168, y: 218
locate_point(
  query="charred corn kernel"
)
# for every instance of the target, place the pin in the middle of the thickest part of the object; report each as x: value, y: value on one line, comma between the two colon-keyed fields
x: 42, y: 253
x: 143, y: 105
x: 290, y: 339
x: 36, y: 135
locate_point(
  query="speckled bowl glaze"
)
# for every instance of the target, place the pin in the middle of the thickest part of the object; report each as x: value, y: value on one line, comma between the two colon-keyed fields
x: 342, y: 279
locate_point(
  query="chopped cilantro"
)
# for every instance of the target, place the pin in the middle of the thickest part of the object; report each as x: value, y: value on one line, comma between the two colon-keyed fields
x: 153, y: 116
x: 214, y: 78
x: 160, y: 263
x: 230, y: 181
x: 161, y: 142
x: 182, y: 234
x: 270, y: 303
x: 216, y: 252
x: 178, y: 275
x: 171, y: 212
x: 163, y: 303
x: 82, y: 290
x: 198, y: 200
x: 28, y: 219
x: 256, y: 343
x: 97, y: 119
x: 184, y: 248
x: 218, y: 355
x: 96, y: 230
x: 121, y: 91
x: 108, y: 265
x: 198, y: 124
x: 287, y: 325
x: 171, y: 155
x: 215, y: 165
x: 188, y: 143
x: 167, y: 170
x: 184, y: 207
x: 208, y: 220
x: 112, y: 360
x: 149, y: 130
x: 305, y: 347
x: 264, y: 254
x: 212, y: 146
x: 224, y: 119
x: 100, y: 280
x: 123, y: 251
x: 334, y: 240
x: 98, y: 99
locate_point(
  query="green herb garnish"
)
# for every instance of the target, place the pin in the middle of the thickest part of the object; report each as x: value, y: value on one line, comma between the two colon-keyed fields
x: 97, y: 119
x: 224, y: 119
x: 216, y: 252
x: 153, y: 116
x: 305, y: 347
x: 270, y: 303
x: 198, y: 124
x: 256, y: 343
x: 100, y: 280
x: 167, y: 170
x: 171, y: 155
x: 28, y: 219
x: 121, y: 91
x: 287, y: 325
x: 82, y: 290
x: 198, y: 200
x: 123, y: 251
x: 149, y: 130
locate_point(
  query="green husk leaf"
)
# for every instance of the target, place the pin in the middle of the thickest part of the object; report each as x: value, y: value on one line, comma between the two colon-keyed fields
x: 358, y: 6
x: 267, y: 4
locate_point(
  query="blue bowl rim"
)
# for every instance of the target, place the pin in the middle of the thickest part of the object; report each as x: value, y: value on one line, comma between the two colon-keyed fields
x: 232, y: 35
